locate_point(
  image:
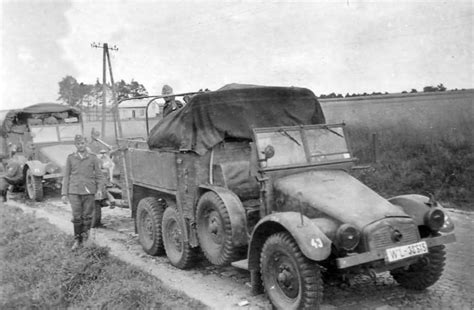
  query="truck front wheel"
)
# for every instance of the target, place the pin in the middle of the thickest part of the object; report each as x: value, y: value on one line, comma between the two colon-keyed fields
x: 178, y: 250
x: 290, y: 279
x: 214, y: 229
x: 423, y: 273
x: 149, y: 218
x: 34, y: 186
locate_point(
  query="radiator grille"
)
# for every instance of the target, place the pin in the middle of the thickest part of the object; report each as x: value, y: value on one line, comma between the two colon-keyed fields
x: 381, y: 234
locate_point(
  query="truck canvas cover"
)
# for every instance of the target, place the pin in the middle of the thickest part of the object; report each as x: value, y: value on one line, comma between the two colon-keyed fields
x: 231, y: 113
x: 22, y: 114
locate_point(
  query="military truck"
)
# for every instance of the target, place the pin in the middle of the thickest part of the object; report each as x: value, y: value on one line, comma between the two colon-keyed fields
x: 35, y: 142
x: 254, y: 177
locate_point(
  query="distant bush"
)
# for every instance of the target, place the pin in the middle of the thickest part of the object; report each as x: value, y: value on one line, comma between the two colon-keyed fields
x: 440, y: 87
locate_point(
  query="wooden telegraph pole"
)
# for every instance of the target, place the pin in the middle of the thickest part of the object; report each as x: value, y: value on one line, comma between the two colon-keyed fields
x: 105, y: 60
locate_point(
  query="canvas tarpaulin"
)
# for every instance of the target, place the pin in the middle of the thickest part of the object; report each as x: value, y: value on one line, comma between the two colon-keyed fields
x: 22, y: 114
x: 232, y: 112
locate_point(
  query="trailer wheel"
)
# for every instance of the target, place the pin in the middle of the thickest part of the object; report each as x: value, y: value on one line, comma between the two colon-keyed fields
x: 149, y: 218
x: 290, y: 279
x: 214, y: 229
x: 34, y: 186
x: 179, y: 252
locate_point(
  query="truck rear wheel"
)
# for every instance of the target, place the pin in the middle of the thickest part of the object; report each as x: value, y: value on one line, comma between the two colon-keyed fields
x: 179, y: 252
x: 34, y: 186
x: 423, y: 273
x: 214, y: 229
x: 149, y: 218
x: 290, y: 279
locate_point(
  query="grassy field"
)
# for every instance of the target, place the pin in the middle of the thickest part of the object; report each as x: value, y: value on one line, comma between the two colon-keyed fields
x: 424, y: 143
x: 38, y: 271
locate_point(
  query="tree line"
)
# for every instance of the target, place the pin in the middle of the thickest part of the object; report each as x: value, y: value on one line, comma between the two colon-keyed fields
x: 426, y: 89
x: 82, y: 95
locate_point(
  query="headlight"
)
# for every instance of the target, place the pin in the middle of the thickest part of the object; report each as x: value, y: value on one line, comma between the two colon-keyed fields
x: 51, y: 168
x: 448, y: 225
x: 434, y: 219
x: 347, y: 237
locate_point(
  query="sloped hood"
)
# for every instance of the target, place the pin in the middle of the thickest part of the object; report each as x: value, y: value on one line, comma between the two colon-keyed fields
x: 57, y: 154
x: 337, y: 194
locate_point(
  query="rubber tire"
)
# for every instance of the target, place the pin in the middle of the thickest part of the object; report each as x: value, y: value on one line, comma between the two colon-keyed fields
x: 217, y: 246
x: 419, y: 275
x: 178, y: 251
x: 33, y: 186
x: 149, y: 218
x: 281, y: 250
x: 97, y: 214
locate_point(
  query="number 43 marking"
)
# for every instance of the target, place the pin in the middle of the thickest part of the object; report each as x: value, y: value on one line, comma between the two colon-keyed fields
x: 316, y: 243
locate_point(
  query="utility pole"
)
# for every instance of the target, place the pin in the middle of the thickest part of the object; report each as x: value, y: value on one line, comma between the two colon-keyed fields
x: 117, y: 123
x: 105, y: 57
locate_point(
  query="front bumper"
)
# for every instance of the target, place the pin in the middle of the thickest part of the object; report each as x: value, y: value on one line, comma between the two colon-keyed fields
x: 367, y: 257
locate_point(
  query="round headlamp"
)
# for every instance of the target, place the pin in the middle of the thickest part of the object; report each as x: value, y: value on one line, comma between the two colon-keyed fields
x: 347, y: 237
x: 51, y: 168
x: 434, y: 219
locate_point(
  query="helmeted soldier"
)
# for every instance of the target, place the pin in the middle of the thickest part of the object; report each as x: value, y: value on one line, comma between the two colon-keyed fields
x: 83, y: 178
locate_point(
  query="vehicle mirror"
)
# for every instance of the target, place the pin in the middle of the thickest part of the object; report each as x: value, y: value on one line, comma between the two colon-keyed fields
x: 269, y: 152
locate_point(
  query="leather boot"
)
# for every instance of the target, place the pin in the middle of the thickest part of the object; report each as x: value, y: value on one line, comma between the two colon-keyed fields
x: 77, y: 236
x: 85, y: 231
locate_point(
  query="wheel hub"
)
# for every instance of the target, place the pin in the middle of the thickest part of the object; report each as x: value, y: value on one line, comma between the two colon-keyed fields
x: 148, y: 227
x: 286, y: 279
x: 214, y: 227
x: 175, y: 237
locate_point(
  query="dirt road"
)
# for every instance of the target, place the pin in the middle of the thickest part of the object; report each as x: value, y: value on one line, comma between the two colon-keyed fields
x: 226, y: 287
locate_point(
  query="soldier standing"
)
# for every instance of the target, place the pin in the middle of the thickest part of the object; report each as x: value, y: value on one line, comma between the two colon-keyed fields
x: 83, y: 178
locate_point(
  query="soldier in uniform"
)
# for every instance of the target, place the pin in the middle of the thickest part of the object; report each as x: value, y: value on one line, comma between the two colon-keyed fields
x: 170, y: 103
x: 82, y: 180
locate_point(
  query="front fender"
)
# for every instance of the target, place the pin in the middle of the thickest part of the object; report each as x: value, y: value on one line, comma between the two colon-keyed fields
x: 417, y: 206
x: 236, y: 211
x: 413, y: 205
x: 37, y: 168
x: 310, y: 239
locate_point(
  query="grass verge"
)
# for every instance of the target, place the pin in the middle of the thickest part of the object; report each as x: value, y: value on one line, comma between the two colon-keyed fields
x: 38, y: 271
x: 411, y: 161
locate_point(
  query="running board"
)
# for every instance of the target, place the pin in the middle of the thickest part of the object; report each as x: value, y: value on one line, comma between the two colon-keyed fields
x: 242, y: 264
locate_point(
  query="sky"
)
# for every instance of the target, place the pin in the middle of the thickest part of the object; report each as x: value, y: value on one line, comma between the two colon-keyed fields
x: 327, y: 46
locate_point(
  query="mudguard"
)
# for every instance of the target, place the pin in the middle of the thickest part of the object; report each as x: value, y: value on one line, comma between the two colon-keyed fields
x: 37, y: 168
x: 414, y: 205
x: 417, y: 206
x: 238, y: 219
x: 310, y: 239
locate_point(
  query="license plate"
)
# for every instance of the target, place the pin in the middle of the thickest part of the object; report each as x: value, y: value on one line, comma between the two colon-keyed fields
x: 405, y: 251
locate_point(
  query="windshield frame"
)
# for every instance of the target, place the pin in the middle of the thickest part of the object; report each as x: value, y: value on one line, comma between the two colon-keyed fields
x: 306, y: 148
x: 57, y: 128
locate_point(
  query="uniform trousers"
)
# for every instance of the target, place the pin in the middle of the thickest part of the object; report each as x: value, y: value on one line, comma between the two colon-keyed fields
x: 82, y: 207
